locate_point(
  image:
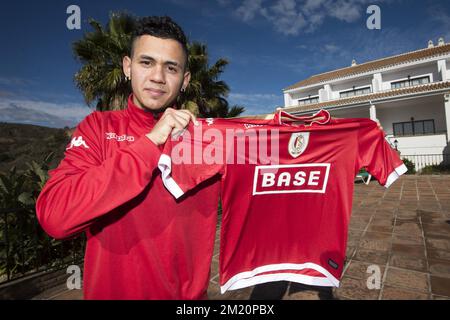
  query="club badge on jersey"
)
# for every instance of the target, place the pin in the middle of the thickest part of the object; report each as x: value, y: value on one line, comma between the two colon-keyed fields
x: 298, y: 143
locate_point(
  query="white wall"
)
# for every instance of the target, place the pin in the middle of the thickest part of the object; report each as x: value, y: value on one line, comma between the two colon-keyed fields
x: 348, y: 85
x: 429, y: 144
x: 389, y: 114
x: 429, y: 68
x: 304, y: 94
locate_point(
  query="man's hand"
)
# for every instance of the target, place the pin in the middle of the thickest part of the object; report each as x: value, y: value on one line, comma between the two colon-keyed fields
x: 171, y: 122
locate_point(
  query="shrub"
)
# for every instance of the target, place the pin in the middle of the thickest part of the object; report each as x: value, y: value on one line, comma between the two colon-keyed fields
x: 436, y: 169
x: 410, y: 165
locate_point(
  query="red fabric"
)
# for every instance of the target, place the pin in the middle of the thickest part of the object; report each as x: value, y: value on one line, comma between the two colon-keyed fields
x: 141, y: 242
x: 299, y: 217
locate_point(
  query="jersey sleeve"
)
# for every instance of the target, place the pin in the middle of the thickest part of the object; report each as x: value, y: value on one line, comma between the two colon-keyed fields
x: 86, y: 186
x: 186, y: 162
x: 377, y: 156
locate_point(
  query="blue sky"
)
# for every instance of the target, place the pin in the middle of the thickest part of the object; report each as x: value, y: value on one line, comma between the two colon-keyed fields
x: 269, y: 44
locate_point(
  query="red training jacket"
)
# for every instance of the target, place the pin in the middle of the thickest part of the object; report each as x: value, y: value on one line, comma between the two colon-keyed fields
x: 141, y: 242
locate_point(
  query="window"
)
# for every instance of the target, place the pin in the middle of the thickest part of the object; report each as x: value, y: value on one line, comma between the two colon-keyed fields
x: 355, y: 92
x: 410, y: 82
x: 414, y: 128
x: 308, y: 100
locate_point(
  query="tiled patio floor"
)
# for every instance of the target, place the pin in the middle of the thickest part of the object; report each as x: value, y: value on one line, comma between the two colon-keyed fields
x: 403, y: 231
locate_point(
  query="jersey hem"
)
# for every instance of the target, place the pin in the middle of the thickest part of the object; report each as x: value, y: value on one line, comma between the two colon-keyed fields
x: 250, y: 278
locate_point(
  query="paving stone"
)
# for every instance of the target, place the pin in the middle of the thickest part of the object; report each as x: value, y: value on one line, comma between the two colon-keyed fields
x: 407, y: 240
x: 69, y: 295
x: 411, y: 263
x: 438, y: 243
x: 408, y: 250
x: 439, y: 268
x: 298, y: 291
x: 436, y: 229
x: 378, y: 245
x: 438, y: 254
x: 407, y: 227
x: 393, y: 293
x: 357, y: 226
x: 349, y: 252
x: 436, y: 297
x: 371, y: 256
x: 440, y: 286
x: 214, y: 292
x: 358, y: 269
x: 355, y: 289
x: 376, y: 221
x: 377, y: 236
x: 384, y: 229
x: 407, y: 214
x: 407, y: 279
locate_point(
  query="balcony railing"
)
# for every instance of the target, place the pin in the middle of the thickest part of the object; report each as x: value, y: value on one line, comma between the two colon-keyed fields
x: 26, y: 249
x: 423, y: 160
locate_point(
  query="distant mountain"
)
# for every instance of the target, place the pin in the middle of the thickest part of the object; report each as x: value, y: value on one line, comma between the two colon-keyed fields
x: 17, y: 114
x: 21, y: 143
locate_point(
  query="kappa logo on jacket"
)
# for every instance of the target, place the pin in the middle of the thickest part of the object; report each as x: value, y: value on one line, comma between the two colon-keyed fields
x: 77, y: 142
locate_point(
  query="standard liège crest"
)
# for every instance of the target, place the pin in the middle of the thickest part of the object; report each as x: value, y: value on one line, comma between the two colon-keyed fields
x: 298, y: 143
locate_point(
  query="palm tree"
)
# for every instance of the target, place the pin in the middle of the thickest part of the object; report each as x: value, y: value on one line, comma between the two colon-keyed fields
x: 206, y: 94
x: 101, y: 51
x: 102, y: 81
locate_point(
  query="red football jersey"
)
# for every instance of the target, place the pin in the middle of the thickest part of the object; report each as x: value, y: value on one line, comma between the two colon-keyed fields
x: 286, y: 191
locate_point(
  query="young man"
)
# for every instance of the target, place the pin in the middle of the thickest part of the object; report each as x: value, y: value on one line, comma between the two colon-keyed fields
x: 141, y: 242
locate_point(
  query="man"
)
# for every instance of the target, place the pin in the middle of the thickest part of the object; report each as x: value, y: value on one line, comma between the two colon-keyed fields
x: 141, y: 243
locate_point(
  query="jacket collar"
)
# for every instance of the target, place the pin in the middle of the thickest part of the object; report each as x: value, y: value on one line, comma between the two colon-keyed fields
x: 142, y: 117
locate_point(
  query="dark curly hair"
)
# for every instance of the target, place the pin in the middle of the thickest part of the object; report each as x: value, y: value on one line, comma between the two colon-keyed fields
x: 161, y: 27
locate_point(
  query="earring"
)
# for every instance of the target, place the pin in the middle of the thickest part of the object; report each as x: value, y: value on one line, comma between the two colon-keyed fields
x: 183, y: 90
x: 127, y: 78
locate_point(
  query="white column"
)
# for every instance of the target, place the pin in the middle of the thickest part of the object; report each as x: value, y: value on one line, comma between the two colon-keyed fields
x: 442, y: 69
x: 287, y: 100
x: 373, y: 112
x: 447, y: 114
x: 377, y: 82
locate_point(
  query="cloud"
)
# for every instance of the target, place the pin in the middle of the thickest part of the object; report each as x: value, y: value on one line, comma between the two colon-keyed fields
x: 249, y: 9
x: 256, y: 103
x: 290, y: 17
x: 42, y: 113
x: 17, y: 81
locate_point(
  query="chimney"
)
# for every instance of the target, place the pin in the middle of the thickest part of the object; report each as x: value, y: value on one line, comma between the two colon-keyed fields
x: 354, y: 62
x: 430, y: 44
x: 441, y: 41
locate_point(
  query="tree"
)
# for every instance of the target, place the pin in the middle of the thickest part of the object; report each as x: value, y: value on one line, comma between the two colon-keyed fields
x: 102, y: 81
x: 101, y: 51
x: 206, y: 94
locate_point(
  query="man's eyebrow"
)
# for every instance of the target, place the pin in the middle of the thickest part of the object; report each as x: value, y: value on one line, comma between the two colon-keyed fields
x: 168, y: 62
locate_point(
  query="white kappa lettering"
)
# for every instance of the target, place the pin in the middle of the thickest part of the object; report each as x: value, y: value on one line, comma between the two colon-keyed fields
x: 114, y: 136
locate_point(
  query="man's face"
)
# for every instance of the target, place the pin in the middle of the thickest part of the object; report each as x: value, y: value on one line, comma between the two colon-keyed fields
x: 157, y: 72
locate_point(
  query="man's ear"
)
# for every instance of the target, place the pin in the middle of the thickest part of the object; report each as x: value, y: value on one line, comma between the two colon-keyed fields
x: 126, y: 66
x: 186, y: 79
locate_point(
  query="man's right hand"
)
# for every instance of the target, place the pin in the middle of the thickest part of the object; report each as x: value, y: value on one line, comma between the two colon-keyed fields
x: 171, y: 122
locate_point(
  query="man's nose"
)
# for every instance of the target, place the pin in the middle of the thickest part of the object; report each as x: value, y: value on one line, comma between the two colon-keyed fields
x: 157, y: 74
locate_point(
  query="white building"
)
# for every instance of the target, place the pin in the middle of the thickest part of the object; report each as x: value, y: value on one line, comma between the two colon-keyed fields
x: 409, y: 94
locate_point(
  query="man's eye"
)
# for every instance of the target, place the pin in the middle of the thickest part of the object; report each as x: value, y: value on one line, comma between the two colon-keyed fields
x: 145, y: 63
x: 172, y: 69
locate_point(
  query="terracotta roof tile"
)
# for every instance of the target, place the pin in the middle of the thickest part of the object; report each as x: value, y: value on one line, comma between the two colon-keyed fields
x: 371, y: 97
x: 374, y: 65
